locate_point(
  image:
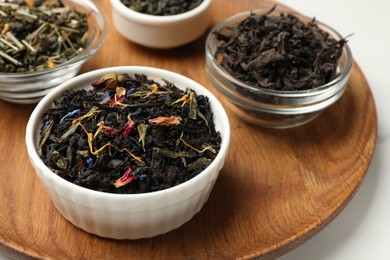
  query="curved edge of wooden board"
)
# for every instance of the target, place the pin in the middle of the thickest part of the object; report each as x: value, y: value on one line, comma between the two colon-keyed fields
x: 306, y: 235
x: 14, y: 250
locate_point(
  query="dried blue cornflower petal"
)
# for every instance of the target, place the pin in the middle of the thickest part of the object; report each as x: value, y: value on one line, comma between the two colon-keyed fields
x: 106, y: 95
x: 142, y: 177
x: 89, y: 161
x: 70, y: 114
x: 131, y: 91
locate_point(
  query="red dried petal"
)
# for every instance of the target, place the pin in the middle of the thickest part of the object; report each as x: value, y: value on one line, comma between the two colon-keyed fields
x: 125, y: 179
x: 108, y: 81
x: 128, y: 127
x: 114, y: 102
x: 109, y: 130
x: 80, y: 166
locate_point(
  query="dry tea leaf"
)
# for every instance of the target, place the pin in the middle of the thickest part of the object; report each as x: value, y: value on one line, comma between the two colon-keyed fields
x: 161, y: 7
x: 279, y: 52
x: 142, y: 131
x: 37, y: 35
x: 93, y: 144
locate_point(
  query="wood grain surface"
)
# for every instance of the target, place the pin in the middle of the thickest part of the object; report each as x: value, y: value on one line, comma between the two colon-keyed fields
x: 277, y: 189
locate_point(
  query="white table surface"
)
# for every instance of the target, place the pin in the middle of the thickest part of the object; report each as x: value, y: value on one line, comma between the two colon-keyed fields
x: 362, y: 230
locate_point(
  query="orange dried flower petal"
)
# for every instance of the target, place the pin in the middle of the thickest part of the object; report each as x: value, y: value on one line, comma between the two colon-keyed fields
x: 165, y: 121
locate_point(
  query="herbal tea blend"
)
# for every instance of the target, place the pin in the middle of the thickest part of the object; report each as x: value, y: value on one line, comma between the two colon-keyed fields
x: 36, y: 35
x: 129, y: 135
x: 162, y: 7
x: 279, y: 52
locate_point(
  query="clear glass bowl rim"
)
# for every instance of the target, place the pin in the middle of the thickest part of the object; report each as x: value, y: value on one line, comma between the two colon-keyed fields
x: 93, y: 47
x: 280, y: 93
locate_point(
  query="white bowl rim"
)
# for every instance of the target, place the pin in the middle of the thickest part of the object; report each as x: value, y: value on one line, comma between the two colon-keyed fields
x: 135, y: 16
x: 89, y: 51
x: 34, y: 122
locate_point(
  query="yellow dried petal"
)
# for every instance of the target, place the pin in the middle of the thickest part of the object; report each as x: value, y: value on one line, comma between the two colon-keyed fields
x: 183, y: 99
x: 120, y: 91
x: 131, y: 154
x: 100, y: 127
x: 90, y: 139
x: 5, y: 28
x: 209, y: 148
x: 50, y: 64
x: 154, y: 89
x: 30, y: 3
x: 89, y: 114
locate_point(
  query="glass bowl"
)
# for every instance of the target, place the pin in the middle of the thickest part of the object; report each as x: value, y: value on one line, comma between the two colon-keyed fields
x: 161, y: 32
x: 274, y: 108
x: 30, y: 87
x: 127, y: 216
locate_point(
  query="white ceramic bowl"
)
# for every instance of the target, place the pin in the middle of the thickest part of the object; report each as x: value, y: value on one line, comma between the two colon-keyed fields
x: 127, y: 216
x: 30, y: 87
x: 161, y: 31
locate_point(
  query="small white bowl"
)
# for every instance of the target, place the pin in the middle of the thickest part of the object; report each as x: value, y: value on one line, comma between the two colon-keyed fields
x: 161, y: 32
x: 128, y: 216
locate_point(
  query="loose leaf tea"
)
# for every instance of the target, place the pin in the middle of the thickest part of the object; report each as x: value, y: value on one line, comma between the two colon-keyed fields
x: 129, y: 134
x: 279, y: 52
x: 162, y: 7
x: 37, y: 34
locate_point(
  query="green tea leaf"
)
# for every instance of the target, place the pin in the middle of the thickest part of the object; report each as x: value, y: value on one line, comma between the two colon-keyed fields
x: 61, y: 161
x: 172, y: 154
x: 69, y: 132
x: 46, y: 133
x: 193, y: 106
x: 200, y: 163
x: 203, y: 117
x: 142, y: 129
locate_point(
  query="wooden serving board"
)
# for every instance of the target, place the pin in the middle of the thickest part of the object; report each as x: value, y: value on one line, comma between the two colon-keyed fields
x: 277, y: 189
